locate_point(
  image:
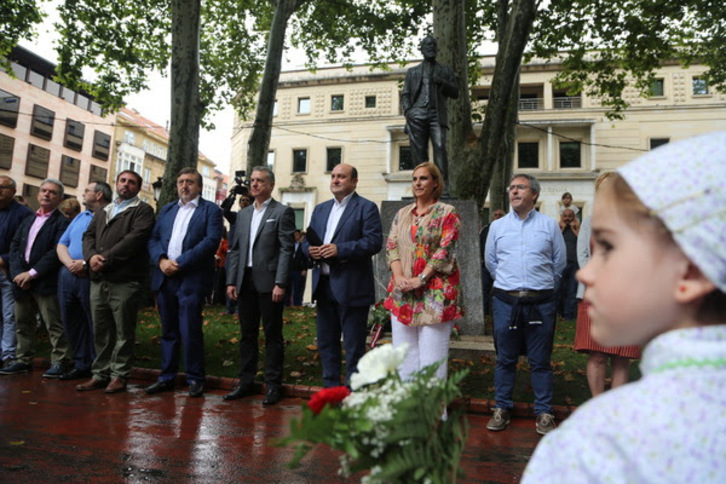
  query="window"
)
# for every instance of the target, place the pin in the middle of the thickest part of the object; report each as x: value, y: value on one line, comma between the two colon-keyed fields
x: 37, y: 164
x: 97, y: 174
x: 370, y: 101
x: 42, y: 124
x: 36, y: 79
x: 145, y: 145
x: 299, y: 218
x: 528, y: 155
x: 74, y: 135
x: 101, y: 145
x: 147, y: 175
x: 270, y: 159
x: 9, y: 104
x: 205, y: 171
x: 335, y: 156
x: 337, y: 102
x: 405, y: 160
x: 303, y: 105
x: 68, y: 94
x: 700, y: 86
x: 656, y: 142
x: 299, y: 161
x: 70, y: 167
x: 30, y: 193
x: 570, y: 154
x: 129, y: 137
x: 7, y: 145
x: 657, y: 88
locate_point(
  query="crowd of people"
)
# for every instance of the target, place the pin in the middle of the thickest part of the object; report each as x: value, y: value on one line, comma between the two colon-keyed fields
x: 650, y: 265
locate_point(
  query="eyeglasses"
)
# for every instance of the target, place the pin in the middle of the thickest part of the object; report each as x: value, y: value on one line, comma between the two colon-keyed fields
x: 518, y: 187
x: 6, y: 187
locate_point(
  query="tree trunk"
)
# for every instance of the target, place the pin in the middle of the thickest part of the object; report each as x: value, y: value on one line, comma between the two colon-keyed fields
x: 450, y: 32
x: 185, y: 105
x: 259, y: 141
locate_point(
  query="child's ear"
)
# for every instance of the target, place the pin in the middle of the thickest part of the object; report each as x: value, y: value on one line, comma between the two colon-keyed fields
x: 693, y: 285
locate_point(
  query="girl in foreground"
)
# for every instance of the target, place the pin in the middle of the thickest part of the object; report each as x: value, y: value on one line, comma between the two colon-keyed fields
x: 658, y: 277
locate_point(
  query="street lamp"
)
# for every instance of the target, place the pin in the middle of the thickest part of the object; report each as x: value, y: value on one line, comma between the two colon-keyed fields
x: 157, y: 188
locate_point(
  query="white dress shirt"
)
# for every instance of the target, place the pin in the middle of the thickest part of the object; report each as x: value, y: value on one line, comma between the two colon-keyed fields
x: 336, y: 211
x: 257, y: 215
x: 181, y: 225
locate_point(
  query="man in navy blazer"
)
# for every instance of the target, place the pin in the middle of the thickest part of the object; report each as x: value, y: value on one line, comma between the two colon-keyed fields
x: 34, y: 268
x: 350, y: 228
x: 182, y: 248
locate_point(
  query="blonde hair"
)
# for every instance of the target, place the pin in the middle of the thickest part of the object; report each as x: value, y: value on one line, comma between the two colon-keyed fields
x: 713, y: 306
x: 435, y: 175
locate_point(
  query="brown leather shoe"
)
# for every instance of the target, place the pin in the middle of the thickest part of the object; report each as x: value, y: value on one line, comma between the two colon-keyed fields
x: 92, y: 384
x: 117, y: 385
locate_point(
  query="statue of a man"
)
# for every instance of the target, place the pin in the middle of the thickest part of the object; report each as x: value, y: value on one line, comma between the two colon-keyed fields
x: 423, y: 98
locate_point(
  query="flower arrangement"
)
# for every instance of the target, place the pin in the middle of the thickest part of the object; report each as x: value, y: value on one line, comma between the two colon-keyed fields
x: 379, y: 321
x: 398, y: 430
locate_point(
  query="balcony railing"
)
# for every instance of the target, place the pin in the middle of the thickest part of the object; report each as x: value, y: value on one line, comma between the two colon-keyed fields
x: 567, y: 102
x: 533, y: 104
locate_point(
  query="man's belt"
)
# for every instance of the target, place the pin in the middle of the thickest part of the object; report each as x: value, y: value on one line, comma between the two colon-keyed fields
x: 527, y: 293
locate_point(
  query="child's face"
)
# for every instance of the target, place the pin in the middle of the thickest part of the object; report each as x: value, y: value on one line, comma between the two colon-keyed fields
x: 566, y: 200
x: 631, y: 279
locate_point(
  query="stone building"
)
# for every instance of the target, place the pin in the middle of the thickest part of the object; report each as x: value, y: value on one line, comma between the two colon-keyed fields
x: 49, y: 131
x: 335, y: 115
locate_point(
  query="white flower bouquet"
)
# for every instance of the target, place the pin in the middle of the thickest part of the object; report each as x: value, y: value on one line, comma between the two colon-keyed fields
x: 391, y: 427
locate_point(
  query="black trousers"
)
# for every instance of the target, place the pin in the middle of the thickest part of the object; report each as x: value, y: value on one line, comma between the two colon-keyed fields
x: 253, y: 306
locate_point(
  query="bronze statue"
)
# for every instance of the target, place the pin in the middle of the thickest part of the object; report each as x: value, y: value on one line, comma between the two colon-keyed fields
x: 425, y: 90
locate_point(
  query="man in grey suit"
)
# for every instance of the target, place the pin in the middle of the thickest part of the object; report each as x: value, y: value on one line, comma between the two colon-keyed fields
x: 258, y: 272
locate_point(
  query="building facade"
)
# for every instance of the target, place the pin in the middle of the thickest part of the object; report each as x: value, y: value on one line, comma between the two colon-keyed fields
x: 49, y: 131
x: 335, y: 115
x: 142, y: 146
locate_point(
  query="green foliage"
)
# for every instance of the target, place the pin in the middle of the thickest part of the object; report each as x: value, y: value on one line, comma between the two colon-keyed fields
x: 608, y: 45
x: 120, y: 40
x: 19, y: 18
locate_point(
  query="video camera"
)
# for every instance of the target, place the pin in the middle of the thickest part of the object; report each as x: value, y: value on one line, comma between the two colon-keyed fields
x: 242, y: 186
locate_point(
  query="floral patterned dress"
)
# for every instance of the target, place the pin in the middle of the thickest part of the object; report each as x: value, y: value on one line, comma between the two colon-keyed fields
x: 418, y: 241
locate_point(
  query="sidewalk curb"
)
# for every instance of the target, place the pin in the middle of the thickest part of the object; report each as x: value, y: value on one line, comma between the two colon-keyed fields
x: 472, y: 405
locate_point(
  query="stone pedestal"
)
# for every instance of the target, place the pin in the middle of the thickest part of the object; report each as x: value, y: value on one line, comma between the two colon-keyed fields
x: 467, y: 254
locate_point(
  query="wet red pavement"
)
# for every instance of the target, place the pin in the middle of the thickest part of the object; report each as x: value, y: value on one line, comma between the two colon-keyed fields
x: 51, y: 433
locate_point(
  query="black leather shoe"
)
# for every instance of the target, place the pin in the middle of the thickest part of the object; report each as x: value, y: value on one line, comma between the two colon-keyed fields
x: 242, y: 390
x: 196, y: 389
x: 75, y: 374
x: 160, y: 386
x: 272, y: 397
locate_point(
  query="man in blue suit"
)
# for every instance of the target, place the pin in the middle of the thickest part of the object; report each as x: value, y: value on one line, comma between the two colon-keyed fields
x: 349, y: 227
x: 182, y: 248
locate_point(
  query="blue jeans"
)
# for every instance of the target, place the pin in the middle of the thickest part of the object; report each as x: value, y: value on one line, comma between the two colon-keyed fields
x: 75, y: 308
x: 7, y: 328
x: 534, y: 335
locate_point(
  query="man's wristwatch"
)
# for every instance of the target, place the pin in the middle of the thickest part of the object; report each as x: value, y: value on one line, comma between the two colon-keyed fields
x: 422, y: 278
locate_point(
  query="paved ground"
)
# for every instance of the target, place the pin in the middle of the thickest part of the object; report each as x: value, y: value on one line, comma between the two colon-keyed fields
x: 49, y: 432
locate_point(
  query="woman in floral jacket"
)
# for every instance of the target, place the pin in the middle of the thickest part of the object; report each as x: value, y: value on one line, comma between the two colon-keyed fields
x: 424, y: 293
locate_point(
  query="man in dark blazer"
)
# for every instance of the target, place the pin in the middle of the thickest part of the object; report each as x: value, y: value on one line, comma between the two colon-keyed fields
x: 34, y: 268
x: 12, y: 215
x: 182, y: 248
x: 258, y: 272
x: 423, y: 99
x: 350, y: 228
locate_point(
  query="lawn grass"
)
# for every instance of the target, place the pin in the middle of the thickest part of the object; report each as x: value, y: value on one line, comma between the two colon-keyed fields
x: 302, y: 363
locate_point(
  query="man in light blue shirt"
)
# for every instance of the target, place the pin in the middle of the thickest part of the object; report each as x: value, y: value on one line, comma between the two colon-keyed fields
x: 525, y: 254
x: 74, y: 285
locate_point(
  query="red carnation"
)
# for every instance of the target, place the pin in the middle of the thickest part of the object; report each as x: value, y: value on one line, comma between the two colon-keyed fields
x: 450, y: 293
x: 332, y: 396
x: 454, y: 278
x: 436, y: 283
